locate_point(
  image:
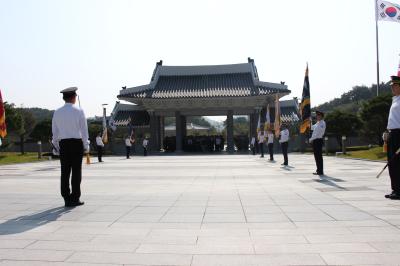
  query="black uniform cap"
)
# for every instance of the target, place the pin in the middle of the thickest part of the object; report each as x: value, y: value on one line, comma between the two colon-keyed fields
x: 395, y: 80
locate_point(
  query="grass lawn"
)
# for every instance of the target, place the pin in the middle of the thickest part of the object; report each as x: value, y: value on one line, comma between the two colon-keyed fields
x: 371, y: 154
x: 15, y: 157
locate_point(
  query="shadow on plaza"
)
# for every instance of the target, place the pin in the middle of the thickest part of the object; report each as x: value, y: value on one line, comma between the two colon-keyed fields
x: 330, y: 181
x: 28, y: 222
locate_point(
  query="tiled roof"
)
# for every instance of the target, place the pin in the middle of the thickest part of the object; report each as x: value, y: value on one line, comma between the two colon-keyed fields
x: 204, y: 86
x: 136, y: 118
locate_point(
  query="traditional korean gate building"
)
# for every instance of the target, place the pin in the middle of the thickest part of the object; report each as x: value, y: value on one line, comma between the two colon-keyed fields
x: 181, y: 91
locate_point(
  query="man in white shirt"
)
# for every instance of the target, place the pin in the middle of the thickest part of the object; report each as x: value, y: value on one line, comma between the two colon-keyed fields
x: 128, y: 145
x: 317, y: 142
x: 70, y: 140
x: 145, y: 144
x: 99, y: 145
x: 253, y: 145
x: 270, y: 141
x: 393, y: 142
x: 261, y: 138
x: 284, y: 141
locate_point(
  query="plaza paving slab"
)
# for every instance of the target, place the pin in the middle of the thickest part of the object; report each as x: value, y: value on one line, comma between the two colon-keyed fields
x: 201, y: 210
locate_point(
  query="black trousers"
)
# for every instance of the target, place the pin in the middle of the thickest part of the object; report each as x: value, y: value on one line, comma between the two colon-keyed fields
x: 271, y: 151
x: 319, y: 161
x: 253, y: 149
x: 262, y: 149
x: 99, y: 152
x: 128, y: 152
x: 284, y: 146
x: 71, y: 154
x: 144, y: 151
x: 394, y: 164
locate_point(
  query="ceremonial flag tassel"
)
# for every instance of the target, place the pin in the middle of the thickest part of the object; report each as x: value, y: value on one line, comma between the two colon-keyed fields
x: 305, y: 105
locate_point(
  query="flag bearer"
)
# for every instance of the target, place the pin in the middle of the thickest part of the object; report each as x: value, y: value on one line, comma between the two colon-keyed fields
x: 394, y: 140
x: 317, y: 142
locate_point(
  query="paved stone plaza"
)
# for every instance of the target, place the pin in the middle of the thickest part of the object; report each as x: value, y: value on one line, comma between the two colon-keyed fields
x: 201, y: 210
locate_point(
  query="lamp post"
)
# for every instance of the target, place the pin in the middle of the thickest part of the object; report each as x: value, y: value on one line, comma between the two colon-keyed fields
x: 344, y: 144
x: 39, y: 143
x: 104, y: 115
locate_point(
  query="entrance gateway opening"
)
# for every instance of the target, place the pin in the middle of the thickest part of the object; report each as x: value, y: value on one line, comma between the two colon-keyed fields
x: 166, y: 110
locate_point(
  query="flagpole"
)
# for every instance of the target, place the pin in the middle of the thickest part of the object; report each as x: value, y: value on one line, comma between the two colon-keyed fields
x: 377, y: 48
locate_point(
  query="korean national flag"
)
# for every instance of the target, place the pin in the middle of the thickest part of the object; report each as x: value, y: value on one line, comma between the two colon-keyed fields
x: 387, y: 11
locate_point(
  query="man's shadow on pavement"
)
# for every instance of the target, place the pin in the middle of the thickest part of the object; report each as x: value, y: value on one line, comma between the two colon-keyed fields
x: 28, y: 222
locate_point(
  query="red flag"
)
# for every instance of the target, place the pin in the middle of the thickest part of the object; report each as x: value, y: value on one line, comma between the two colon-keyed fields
x: 3, y: 128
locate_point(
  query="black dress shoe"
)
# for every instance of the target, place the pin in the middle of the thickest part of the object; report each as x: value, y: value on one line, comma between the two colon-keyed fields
x: 77, y: 203
x: 394, y: 196
x: 316, y: 173
x: 389, y: 195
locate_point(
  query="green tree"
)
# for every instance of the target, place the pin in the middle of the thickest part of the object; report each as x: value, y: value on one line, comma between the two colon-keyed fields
x: 339, y: 123
x: 374, y: 114
x: 25, y: 126
x: 42, y: 131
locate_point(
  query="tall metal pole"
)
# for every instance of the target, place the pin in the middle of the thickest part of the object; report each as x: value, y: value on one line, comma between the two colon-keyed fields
x: 377, y: 48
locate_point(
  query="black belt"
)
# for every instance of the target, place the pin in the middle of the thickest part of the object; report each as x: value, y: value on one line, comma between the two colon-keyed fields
x: 395, y: 130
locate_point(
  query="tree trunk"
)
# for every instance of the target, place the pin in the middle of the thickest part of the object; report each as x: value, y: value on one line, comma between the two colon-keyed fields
x: 22, y: 143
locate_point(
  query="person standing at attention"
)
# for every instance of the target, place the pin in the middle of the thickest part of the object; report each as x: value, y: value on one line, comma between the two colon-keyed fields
x: 261, y: 139
x: 145, y: 144
x: 270, y: 141
x: 100, y: 146
x: 128, y: 145
x: 317, y: 142
x: 284, y: 141
x: 70, y: 140
x: 393, y: 140
x: 253, y: 145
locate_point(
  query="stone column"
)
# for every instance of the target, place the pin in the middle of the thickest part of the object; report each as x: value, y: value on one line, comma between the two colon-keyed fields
x: 162, y: 131
x: 255, y: 123
x: 184, y: 130
x: 229, y: 132
x: 153, y: 132
x: 178, y: 131
x: 251, y: 126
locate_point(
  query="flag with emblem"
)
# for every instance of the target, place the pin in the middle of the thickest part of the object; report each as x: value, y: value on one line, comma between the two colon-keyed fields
x: 259, y: 123
x: 267, y: 124
x: 3, y: 128
x: 387, y: 11
x: 305, y: 106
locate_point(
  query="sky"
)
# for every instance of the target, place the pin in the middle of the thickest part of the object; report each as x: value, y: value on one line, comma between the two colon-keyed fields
x: 100, y: 46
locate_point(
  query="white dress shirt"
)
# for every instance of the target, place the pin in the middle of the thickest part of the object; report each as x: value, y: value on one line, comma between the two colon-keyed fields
x: 284, y: 136
x: 318, y: 130
x: 145, y: 142
x: 128, y: 142
x: 394, y: 114
x: 260, y: 138
x: 69, y: 122
x: 270, y: 138
x: 99, y: 141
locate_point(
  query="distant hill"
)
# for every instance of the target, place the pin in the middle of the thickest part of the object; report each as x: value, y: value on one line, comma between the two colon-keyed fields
x: 40, y: 114
x: 352, y: 101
